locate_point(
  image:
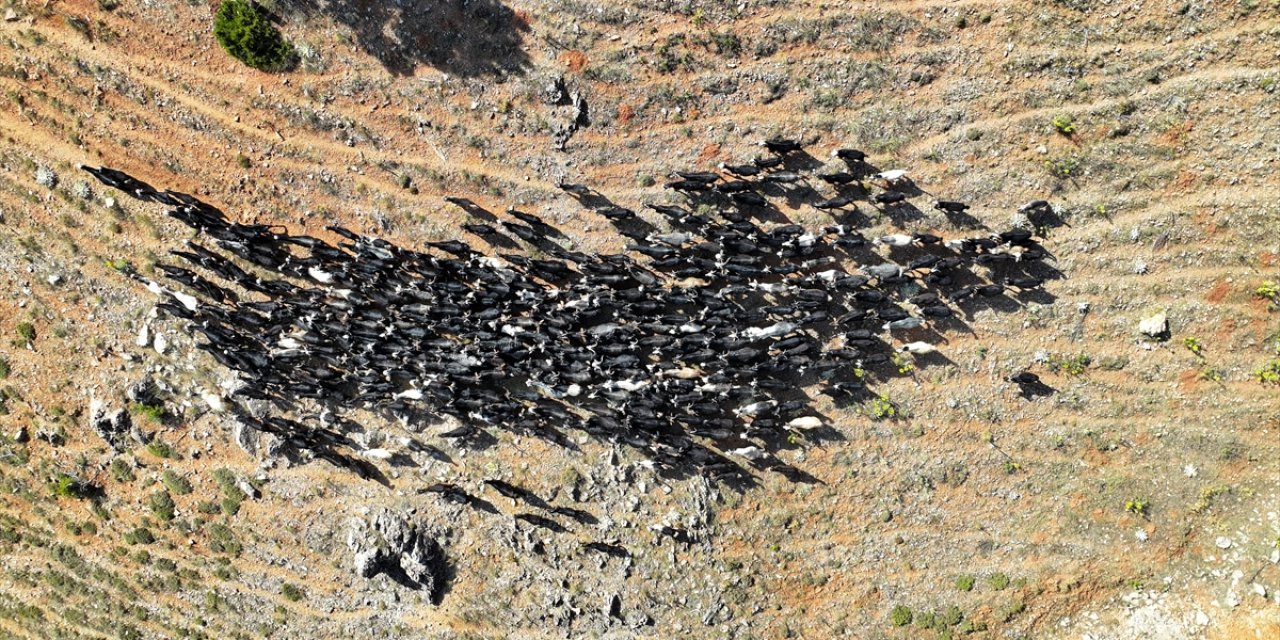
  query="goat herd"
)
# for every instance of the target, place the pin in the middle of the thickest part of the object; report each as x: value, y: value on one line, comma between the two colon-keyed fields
x: 697, y: 345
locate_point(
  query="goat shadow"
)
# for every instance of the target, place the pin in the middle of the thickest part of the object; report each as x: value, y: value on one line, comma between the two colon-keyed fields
x: 478, y: 38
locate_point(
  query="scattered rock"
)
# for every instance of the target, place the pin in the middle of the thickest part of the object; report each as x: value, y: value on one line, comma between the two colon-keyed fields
x: 388, y: 543
x: 214, y: 401
x: 245, y: 436
x: 1156, y: 326
x: 145, y: 392
x: 1223, y: 542
x: 248, y: 488
x: 161, y: 343
x: 10, y: 15
x: 556, y: 93
x: 112, y: 426
x: 21, y: 435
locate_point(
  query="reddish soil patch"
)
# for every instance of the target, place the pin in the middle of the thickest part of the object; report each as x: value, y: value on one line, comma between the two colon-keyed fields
x: 708, y: 152
x: 1185, y: 180
x: 1188, y: 380
x: 625, y: 113
x: 1268, y: 259
x: 1218, y: 292
x: 1175, y: 135
x: 575, y: 60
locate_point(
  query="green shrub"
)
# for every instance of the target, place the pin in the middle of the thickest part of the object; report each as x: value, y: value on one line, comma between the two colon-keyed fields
x: 141, y: 535
x: 1009, y: 610
x: 1137, y: 506
x: 1071, y: 365
x: 952, y: 616
x: 242, y: 161
x: 998, y: 581
x: 1267, y: 291
x: 1064, y: 124
x: 27, y: 332
x: 1269, y: 373
x: 1063, y: 167
x: 901, y: 615
x: 965, y: 583
x: 121, y: 471
x: 65, y: 486
x: 159, y: 449
x: 153, y: 412
x: 881, y: 408
x: 1193, y: 345
x: 176, y: 483
x: 222, y: 540
x: 232, y: 496
x: 161, y: 504
x: 248, y: 36
x: 4, y: 367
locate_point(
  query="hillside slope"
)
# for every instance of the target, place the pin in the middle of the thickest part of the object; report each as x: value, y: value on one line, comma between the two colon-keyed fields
x: 1138, y: 500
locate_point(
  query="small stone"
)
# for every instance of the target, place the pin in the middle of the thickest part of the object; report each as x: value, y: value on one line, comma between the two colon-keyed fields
x: 214, y: 401
x: 1141, y: 535
x: 21, y: 435
x: 1202, y: 619
x: 1140, y: 267
x: 54, y: 279
x: 10, y: 15
x: 1223, y: 542
x: 161, y: 343
x: 1190, y: 471
x: 1042, y: 150
x: 1259, y: 589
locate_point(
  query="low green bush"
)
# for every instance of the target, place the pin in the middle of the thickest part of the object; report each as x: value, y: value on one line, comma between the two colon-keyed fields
x: 248, y: 36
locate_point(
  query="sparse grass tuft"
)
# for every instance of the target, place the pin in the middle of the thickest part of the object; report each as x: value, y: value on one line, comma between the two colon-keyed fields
x: 1070, y: 365
x: 153, y: 412
x: 1064, y: 125
x: 66, y: 486
x: 140, y: 535
x: 1268, y: 373
x: 1193, y: 345
x: 291, y: 592
x: 881, y: 408
x: 175, y: 483
x: 121, y: 471
x: 901, y: 615
x: 161, y: 504
x: 1138, y: 506
x: 159, y: 449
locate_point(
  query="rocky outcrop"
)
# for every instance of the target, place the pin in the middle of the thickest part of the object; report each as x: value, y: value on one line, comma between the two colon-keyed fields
x: 113, y: 426
x: 387, y: 543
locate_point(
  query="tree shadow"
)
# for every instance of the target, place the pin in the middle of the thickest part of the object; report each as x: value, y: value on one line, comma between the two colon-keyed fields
x: 477, y: 38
